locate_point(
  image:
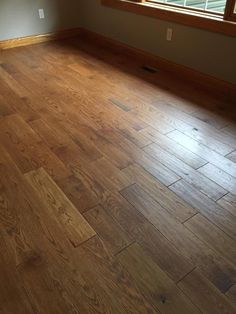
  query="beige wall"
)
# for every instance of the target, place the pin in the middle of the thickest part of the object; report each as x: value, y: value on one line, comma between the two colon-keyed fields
x: 20, y: 17
x: 204, y: 51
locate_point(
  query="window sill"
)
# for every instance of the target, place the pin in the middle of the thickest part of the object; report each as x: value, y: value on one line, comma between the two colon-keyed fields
x: 208, y: 21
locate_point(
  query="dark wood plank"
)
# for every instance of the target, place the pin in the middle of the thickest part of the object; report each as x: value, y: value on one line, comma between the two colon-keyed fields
x: 217, y: 269
x: 112, y: 234
x: 229, y: 203
x: 78, y: 193
x: 213, y: 236
x: 153, y: 282
x: 196, y: 287
x: 231, y: 294
x: 142, y: 231
x: 215, y: 213
x: 160, y: 193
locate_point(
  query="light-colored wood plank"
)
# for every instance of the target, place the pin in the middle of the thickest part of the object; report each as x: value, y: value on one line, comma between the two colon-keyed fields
x: 174, y: 148
x: 232, y: 156
x: 191, y: 175
x: 204, y: 152
x: 220, y: 177
x: 75, y: 226
x: 210, y: 118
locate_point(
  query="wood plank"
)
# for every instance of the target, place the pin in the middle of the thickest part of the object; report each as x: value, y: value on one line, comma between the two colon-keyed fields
x: 204, y: 152
x: 220, y: 177
x: 231, y: 294
x: 232, y: 156
x: 215, y: 139
x: 11, y: 288
x: 115, y: 290
x: 110, y: 177
x: 196, y: 287
x: 27, y: 149
x: 153, y: 282
x: 78, y: 193
x: 213, y: 236
x: 136, y: 137
x: 192, y: 176
x: 174, y: 148
x: 228, y: 202
x: 155, y: 168
x: 37, y: 244
x: 210, y: 118
x: 75, y: 226
x: 161, y: 194
x: 153, y: 121
x: 230, y: 129
x: 215, y: 268
x: 113, y: 236
x: 142, y: 231
x: 209, y: 209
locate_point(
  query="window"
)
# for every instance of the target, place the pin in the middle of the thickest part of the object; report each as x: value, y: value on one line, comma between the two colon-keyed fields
x: 214, y: 15
x: 230, y: 10
x: 214, y: 6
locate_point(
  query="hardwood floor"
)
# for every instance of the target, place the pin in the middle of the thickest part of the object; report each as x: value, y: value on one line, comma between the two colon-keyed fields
x: 117, y: 187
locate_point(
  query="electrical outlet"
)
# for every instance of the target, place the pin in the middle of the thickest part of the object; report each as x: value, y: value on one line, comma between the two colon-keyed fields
x: 169, y: 34
x: 41, y: 13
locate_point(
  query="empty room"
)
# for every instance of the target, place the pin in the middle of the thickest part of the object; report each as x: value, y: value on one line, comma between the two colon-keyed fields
x: 117, y: 156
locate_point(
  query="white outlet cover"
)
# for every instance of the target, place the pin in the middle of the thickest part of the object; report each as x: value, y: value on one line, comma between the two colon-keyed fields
x: 169, y: 34
x: 41, y: 13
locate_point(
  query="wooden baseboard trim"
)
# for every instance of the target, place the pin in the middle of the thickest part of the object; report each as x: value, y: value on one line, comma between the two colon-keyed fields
x: 36, y: 39
x: 182, y: 72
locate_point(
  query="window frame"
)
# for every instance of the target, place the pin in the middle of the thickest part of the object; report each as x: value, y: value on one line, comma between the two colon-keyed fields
x: 215, y: 22
x: 230, y: 10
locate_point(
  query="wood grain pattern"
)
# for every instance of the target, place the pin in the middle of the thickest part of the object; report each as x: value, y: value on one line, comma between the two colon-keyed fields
x: 154, y: 283
x: 75, y: 226
x: 222, y: 178
x: 112, y: 207
x: 213, y: 303
x: 189, y: 174
x: 201, y: 150
x: 229, y: 203
x: 184, y: 241
x: 215, y: 213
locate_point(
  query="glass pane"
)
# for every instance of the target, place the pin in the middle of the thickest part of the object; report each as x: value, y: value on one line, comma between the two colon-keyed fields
x: 217, y: 6
x: 235, y: 8
x: 197, y: 4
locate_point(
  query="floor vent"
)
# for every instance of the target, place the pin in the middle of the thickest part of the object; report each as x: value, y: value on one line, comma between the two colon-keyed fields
x: 150, y: 69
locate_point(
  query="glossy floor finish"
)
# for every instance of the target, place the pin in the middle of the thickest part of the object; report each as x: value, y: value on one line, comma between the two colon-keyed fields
x: 117, y: 187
